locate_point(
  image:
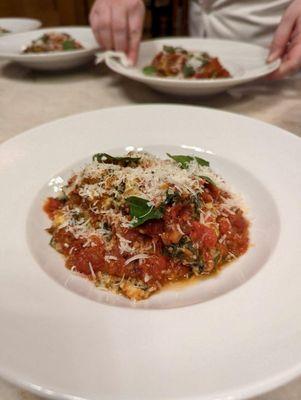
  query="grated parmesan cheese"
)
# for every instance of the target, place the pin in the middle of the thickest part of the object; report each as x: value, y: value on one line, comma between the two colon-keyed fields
x: 97, y: 213
x: 92, y: 271
x: 136, y: 257
x: 124, y: 244
x: 151, y: 180
x: 110, y: 258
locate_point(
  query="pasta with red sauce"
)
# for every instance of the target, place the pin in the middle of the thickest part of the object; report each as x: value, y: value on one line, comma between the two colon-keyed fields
x: 180, y: 63
x: 134, y: 224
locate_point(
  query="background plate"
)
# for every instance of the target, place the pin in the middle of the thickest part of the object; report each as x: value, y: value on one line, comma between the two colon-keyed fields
x: 11, y: 47
x: 16, y: 25
x: 245, y: 62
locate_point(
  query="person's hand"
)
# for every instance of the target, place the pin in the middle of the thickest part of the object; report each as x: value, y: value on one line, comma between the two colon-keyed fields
x: 287, y: 42
x: 118, y: 24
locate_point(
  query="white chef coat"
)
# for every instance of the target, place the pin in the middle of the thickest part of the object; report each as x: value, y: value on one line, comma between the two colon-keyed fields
x: 253, y: 21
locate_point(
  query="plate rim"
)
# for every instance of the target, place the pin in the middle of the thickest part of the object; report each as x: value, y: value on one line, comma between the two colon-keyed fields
x: 37, y: 21
x: 142, y: 105
x: 246, y: 393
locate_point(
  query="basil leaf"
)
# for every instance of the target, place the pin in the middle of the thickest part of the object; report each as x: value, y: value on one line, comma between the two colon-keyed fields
x: 149, y: 70
x: 183, y: 251
x: 69, y: 45
x: 217, y: 258
x: 44, y: 38
x: 169, y: 49
x: 172, y: 49
x: 185, y: 160
x: 188, y: 71
x: 122, y: 161
x: 141, y: 211
x: 172, y: 197
x: 182, y: 160
x: 197, y: 204
x: 54, y: 244
x: 202, y: 162
x: 209, y: 180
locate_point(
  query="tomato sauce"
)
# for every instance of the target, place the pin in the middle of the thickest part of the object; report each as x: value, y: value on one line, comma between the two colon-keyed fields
x: 158, y: 268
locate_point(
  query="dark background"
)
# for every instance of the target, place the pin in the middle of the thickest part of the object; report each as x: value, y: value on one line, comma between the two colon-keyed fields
x: 163, y: 17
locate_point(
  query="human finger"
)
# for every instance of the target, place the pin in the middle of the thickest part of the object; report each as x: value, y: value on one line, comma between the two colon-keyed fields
x: 135, y: 27
x: 281, y: 36
x: 119, y: 28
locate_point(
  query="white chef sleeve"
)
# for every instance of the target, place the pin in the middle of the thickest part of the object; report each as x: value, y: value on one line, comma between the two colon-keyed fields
x: 246, y: 20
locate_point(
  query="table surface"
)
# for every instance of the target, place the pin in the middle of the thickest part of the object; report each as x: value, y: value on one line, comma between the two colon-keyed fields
x: 32, y: 98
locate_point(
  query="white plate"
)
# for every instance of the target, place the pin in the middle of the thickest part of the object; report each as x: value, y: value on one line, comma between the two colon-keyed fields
x: 245, y: 62
x: 12, y: 45
x: 238, y: 334
x: 16, y: 25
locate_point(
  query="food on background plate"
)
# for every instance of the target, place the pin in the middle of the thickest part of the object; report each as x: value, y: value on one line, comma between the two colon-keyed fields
x: 180, y: 63
x: 3, y: 31
x: 134, y: 224
x: 53, y: 41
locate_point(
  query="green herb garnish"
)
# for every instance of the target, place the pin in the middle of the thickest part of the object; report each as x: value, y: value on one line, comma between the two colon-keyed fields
x: 197, y: 204
x: 209, y: 180
x: 69, y: 45
x: 184, y: 161
x: 149, y: 70
x: 45, y: 38
x: 188, y: 71
x: 217, y: 258
x: 184, y: 251
x: 198, y: 268
x: 169, y: 49
x: 172, y: 197
x: 122, y: 161
x: 172, y: 49
x: 53, y: 244
x: 141, y: 210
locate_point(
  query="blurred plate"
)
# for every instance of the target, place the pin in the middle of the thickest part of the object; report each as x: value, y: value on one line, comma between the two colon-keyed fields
x: 11, y: 47
x: 17, y: 25
x: 245, y: 62
x: 230, y: 337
